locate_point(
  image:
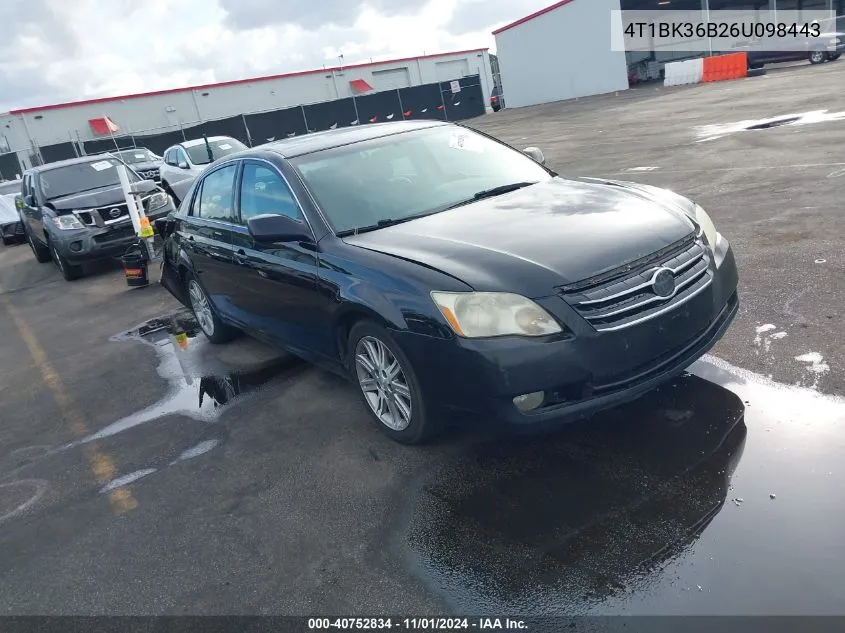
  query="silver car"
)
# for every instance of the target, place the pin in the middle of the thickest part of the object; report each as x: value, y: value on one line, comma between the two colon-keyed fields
x: 185, y: 161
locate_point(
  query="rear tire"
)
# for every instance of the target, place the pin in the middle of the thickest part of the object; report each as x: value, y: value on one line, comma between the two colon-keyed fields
x: 214, y: 329
x: 69, y: 271
x: 41, y: 252
x: 387, y: 385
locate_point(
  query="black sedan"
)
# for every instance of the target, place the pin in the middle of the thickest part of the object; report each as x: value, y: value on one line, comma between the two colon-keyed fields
x: 442, y: 270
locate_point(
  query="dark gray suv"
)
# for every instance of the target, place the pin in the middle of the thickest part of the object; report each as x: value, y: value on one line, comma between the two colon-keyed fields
x: 75, y: 211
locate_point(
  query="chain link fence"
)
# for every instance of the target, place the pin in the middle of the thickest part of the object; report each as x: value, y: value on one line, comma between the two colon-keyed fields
x: 453, y: 100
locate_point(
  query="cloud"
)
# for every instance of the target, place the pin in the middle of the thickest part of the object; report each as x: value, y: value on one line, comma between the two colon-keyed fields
x: 473, y: 15
x: 55, y: 50
x: 252, y: 14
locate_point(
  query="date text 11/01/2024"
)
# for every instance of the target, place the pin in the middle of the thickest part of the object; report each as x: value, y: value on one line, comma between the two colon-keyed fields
x: 425, y: 624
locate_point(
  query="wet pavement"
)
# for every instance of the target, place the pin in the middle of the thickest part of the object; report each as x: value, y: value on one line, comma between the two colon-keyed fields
x: 718, y: 494
x: 145, y: 471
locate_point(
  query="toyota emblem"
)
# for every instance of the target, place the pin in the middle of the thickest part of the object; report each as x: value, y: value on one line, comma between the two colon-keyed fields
x: 663, y: 282
x: 114, y: 213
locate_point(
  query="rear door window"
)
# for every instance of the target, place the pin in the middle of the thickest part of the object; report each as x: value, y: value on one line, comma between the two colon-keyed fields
x: 216, y: 199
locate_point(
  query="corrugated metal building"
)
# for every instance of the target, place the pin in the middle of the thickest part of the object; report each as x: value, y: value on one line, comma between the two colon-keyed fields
x: 564, y: 51
x: 560, y: 52
x: 168, y: 110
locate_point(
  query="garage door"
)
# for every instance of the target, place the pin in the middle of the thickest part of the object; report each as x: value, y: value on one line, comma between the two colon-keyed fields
x: 455, y: 69
x: 392, y: 79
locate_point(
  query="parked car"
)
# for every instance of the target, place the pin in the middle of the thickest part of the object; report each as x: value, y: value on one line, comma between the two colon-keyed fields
x: 11, y: 229
x: 769, y: 50
x: 74, y: 211
x: 497, y: 101
x: 185, y: 161
x: 442, y: 270
x: 145, y: 163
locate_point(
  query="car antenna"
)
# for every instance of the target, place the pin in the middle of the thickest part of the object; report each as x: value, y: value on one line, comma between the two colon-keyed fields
x: 208, y: 148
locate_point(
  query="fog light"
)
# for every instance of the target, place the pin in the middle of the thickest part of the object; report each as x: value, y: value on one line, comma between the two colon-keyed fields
x: 529, y: 401
x: 76, y: 246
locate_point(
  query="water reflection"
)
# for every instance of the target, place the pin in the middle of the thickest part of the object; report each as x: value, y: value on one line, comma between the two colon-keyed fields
x: 538, y: 525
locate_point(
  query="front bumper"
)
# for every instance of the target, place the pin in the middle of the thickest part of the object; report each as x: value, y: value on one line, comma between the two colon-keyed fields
x: 88, y: 244
x: 580, y: 373
x: 12, y: 230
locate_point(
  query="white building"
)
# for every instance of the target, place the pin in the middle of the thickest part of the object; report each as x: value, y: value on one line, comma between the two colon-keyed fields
x: 168, y: 110
x: 560, y: 52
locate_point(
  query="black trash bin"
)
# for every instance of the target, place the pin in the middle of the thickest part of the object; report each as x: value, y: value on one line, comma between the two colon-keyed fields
x: 135, y: 267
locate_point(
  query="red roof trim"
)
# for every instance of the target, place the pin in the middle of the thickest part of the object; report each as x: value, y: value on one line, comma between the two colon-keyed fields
x: 238, y: 81
x: 532, y: 16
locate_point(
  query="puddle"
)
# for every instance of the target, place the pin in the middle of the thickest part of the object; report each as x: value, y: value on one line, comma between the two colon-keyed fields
x: 638, y: 510
x: 713, y: 132
x: 199, y: 384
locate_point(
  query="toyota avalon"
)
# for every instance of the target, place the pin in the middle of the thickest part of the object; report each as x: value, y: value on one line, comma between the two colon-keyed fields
x: 442, y: 270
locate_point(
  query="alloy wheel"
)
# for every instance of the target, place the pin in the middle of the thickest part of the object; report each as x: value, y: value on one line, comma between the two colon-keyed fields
x: 816, y: 57
x: 383, y: 382
x: 201, y: 308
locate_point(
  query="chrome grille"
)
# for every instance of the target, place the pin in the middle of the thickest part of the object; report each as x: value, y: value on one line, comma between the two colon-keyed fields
x: 626, y: 296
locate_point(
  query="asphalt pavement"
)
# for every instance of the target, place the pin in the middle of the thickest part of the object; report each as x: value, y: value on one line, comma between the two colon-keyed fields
x: 144, y: 471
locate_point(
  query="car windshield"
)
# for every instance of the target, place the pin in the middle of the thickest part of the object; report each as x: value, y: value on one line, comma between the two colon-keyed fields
x: 388, y: 179
x: 135, y: 156
x: 10, y: 187
x: 79, y: 177
x: 219, y: 148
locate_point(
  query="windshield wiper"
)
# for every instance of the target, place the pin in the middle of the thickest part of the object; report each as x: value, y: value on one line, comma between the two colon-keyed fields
x: 384, y: 223
x: 491, y: 193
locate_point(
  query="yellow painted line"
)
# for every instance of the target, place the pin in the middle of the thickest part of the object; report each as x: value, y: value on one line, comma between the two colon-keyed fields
x: 101, y: 465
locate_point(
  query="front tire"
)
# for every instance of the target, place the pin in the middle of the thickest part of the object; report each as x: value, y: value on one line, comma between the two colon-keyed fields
x: 41, y: 252
x: 169, y: 192
x: 388, y: 385
x: 69, y: 271
x: 833, y: 56
x: 817, y: 57
x: 214, y: 329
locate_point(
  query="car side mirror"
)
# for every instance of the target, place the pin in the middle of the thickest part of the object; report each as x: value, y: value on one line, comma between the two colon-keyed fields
x: 272, y: 227
x: 182, y: 165
x: 29, y: 200
x: 536, y: 154
x: 143, y: 186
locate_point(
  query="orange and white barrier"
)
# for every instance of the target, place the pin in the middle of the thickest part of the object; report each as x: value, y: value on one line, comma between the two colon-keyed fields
x: 720, y: 67
x: 706, y: 69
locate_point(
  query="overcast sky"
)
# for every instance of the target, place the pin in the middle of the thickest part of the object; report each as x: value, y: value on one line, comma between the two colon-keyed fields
x: 57, y: 50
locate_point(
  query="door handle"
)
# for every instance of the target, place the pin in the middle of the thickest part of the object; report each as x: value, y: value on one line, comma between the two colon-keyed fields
x: 218, y: 234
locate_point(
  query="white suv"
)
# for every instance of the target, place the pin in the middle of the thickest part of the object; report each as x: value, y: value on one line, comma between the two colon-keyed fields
x: 185, y: 161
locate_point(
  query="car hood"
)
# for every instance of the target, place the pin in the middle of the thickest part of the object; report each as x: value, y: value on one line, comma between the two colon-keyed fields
x: 89, y: 199
x: 536, y: 238
x: 8, y: 210
x: 153, y: 164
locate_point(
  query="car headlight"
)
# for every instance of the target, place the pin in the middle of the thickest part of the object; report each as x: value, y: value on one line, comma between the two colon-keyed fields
x: 484, y: 314
x: 158, y: 199
x: 67, y: 222
x: 707, y: 227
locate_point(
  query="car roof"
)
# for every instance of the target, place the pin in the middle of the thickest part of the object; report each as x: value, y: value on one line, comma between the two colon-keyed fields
x: 200, y: 141
x: 317, y: 141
